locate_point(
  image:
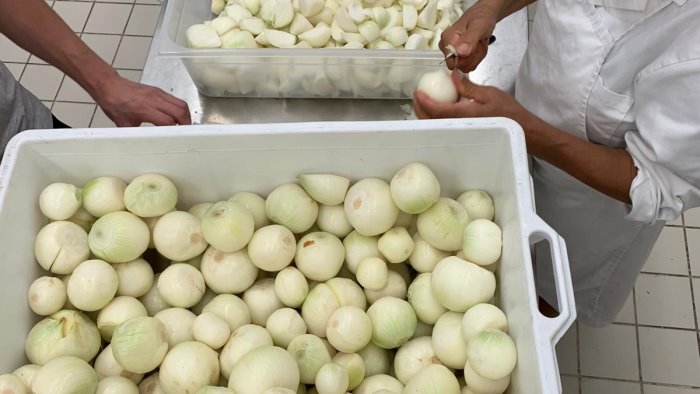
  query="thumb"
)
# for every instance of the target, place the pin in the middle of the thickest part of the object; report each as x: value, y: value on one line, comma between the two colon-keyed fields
x: 466, y: 88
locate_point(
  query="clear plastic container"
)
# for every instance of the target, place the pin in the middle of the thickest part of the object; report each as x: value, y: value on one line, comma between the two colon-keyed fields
x: 291, y: 73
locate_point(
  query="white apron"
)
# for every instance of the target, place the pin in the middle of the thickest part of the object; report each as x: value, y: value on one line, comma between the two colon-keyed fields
x: 560, y: 81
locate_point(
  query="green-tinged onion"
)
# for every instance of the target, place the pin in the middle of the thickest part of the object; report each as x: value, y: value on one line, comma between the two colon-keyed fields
x: 377, y: 361
x: 46, y: 295
x: 478, y: 203
x: 188, y: 367
x: 152, y: 300
x: 332, y: 379
x: 433, y: 379
x: 134, y: 278
x: 349, y: 329
x: 118, y: 237
x: 140, y: 344
x: 415, y: 188
x: 370, y: 208
x: 227, y: 226
x: 413, y: 356
x: 327, y: 189
x: 450, y: 347
x: 483, y: 241
x: 11, y: 384
x: 482, y: 316
x: 244, y: 339
x: 264, y: 368
x: 377, y: 383
x: 318, y: 308
x: 103, y: 195
x: 117, y: 312
x: 291, y: 287
x: 442, y: 226
x: 331, y: 219
x: 60, y: 201
x: 65, y: 375
x: 230, y: 308
x: 151, y: 385
x: 106, y: 365
x: 319, y: 256
x: 177, y: 236
x: 272, y: 248
x: 393, y: 322
x: 480, y: 384
x: 290, y: 206
x: 178, y: 323
x: 150, y: 195
x: 396, y: 287
x: 310, y: 354
x: 200, y: 209
x: 422, y: 299
x: 181, y: 285
x: 425, y: 256
x: 61, y: 246
x: 232, y: 272
x: 65, y: 333
x: 349, y: 293
x: 355, y: 366
x: 92, y: 285
x: 492, y: 354
x: 262, y: 300
x: 359, y: 247
x: 255, y: 205
x: 284, y: 325
x: 26, y: 374
x: 396, y: 245
x: 458, y: 285
x: 116, y: 385
x: 372, y: 273
x: 211, y: 330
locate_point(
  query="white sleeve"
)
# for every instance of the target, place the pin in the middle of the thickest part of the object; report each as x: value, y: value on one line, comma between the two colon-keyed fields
x: 666, y: 146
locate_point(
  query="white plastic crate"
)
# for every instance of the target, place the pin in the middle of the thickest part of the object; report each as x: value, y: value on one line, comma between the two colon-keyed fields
x: 210, y: 163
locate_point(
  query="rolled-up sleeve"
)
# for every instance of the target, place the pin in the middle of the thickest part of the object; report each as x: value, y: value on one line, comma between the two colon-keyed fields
x: 666, y: 145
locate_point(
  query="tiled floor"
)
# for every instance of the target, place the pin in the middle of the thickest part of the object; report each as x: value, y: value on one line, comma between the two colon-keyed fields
x: 653, y: 348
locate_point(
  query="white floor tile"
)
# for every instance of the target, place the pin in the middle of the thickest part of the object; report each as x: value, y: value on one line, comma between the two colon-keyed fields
x: 42, y: 81
x: 664, y: 301
x: 694, y: 250
x: 71, y: 91
x: 654, y: 389
x: 15, y: 69
x: 609, y: 352
x: 108, y: 18
x: 668, y: 255
x: 105, y: 46
x: 132, y: 52
x: 677, y: 222
x: 669, y: 356
x: 101, y: 120
x: 696, y: 294
x: 132, y: 75
x: 567, y: 353
x: 599, y: 386
x: 692, y: 217
x: 569, y: 385
x: 73, y: 114
x: 143, y: 20
x: 626, y: 315
x: 10, y: 52
x: 74, y: 13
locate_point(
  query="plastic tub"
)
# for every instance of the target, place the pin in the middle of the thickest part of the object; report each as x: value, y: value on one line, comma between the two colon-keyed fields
x: 291, y: 73
x: 210, y: 163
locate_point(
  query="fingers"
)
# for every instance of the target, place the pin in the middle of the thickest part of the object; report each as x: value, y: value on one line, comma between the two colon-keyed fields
x: 174, y: 107
x: 468, y: 89
x: 429, y: 109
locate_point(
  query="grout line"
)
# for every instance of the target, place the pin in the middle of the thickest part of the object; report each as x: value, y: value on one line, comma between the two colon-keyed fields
x: 654, y: 326
x: 634, y: 381
x: 636, y: 334
x: 121, y: 38
x: 664, y: 274
x: 692, y: 290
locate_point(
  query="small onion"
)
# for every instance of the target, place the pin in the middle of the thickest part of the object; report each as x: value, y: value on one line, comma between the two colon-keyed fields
x: 478, y: 203
x: 188, y: 367
x: 318, y: 308
x: 492, y: 354
x: 396, y: 245
x: 232, y: 272
x: 422, y: 299
x: 244, y: 339
x: 215, y: 390
x: 200, y: 209
x: 370, y: 208
x: 255, y: 205
x: 325, y: 188
x: 92, y: 285
x: 151, y: 385
x: 433, y: 379
x: 83, y: 219
x: 150, y: 195
x: 140, y: 344
x: 459, y: 285
x: 181, y: 285
x: 227, y: 226
x: 310, y: 355
x: 349, y: 329
x: 65, y: 375
x: 118, y: 237
x: 372, y: 273
x: 103, y: 195
x: 483, y: 241
x: 60, y: 201
x: 262, y: 300
x: 447, y: 340
x: 425, y: 256
x: 272, y: 248
x: 134, y: 278
x: 443, y: 224
x: 177, y: 236
x: 152, y: 300
x: 117, y: 312
x: 480, y: 317
x: 106, y: 365
x: 264, y: 368
x: 11, y: 384
x: 415, y: 188
x: 211, y: 330
x: 284, y: 325
x: 359, y: 247
x: 377, y: 383
x: 413, y: 356
x: 291, y: 287
x: 377, y: 361
x: 355, y: 366
x: 393, y: 322
x: 46, y: 295
x: 319, y: 256
x: 396, y: 287
x: 331, y: 219
x: 26, y: 374
x: 178, y: 323
x: 332, y: 379
x: 60, y: 246
x: 290, y: 206
x: 480, y: 384
x: 348, y: 292
x: 230, y: 308
x: 116, y: 385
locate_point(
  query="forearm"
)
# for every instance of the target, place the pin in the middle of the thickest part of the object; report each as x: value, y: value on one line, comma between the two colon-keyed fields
x: 608, y: 170
x: 49, y: 38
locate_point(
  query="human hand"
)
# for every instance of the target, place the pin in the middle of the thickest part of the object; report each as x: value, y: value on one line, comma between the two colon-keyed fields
x: 469, y: 36
x: 129, y: 104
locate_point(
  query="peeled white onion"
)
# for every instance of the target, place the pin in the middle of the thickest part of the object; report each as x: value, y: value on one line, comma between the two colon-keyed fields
x: 264, y: 368
x: 255, y: 205
x: 349, y: 293
x: 438, y: 86
x: 359, y: 247
x: 377, y: 383
x: 230, y: 308
x: 211, y: 330
x: 26, y: 374
x: 422, y: 299
x: 200, y: 209
x: 396, y: 245
x: 492, y: 354
x: 181, y: 285
x: 413, y: 356
x: 103, y: 195
x: 433, y: 379
x: 443, y: 224
x: 331, y: 219
x: 177, y: 236
x: 291, y: 287
x: 425, y: 256
x: 349, y: 329
x: 272, y: 248
x: 60, y: 201
x: 92, y: 285
x: 134, y: 278
x: 152, y: 300
x: 310, y: 355
x: 227, y: 226
x: 106, y: 365
x: 118, y: 237
x: 117, y: 312
x: 318, y: 307
x: 396, y: 287
x: 393, y: 322
x: 83, y: 219
x: 178, y: 323
x: 290, y: 206
x: 319, y: 255
x: 483, y: 241
x: 232, y: 272
x: 332, y: 379
x: 60, y: 246
x: 215, y: 390
x: 150, y: 195
x: 116, y: 385
x: 262, y: 300
x: 415, y: 188
x: 478, y: 203
x: 151, y: 385
x: 372, y: 273
x: 355, y: 366
x: 480, y: 317
x: 46, y: 295
x: 65, y: 375
x: 140, y: 344
x: 450, y: 347
x: 327, y: 189
x: 480, y: 384
x: 11, y: 384
x: 377, y: 361
x: 284, y: 325
x: 188, y: 367
x: 458, y: 285
x: 242, y: 340
x: 370, y: 208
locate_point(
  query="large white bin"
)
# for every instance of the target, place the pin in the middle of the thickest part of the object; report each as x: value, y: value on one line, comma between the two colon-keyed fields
x: 209, y: 163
